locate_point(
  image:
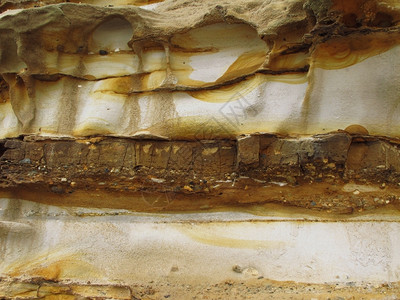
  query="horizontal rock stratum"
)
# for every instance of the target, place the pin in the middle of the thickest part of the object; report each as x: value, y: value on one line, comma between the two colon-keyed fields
x: 288, y: 67
x: 199, y: 149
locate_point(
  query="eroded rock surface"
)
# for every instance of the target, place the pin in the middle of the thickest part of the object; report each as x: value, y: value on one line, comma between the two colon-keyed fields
x: 82, y: 69
x: 156, y: 149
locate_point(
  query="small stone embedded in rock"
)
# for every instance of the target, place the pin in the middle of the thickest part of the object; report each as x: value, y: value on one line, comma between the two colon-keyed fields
x: 248, y: 150
x: 25, y: 161
x: 157, y: 180
x: 188, y: 188
x: 103, y: 52
x: 356, y: 130
x: 237, y: 269
x: 174, y: 269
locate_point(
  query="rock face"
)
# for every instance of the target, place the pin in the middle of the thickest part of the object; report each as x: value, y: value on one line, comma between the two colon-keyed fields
x: 81, y: 69
x: 250, y: 130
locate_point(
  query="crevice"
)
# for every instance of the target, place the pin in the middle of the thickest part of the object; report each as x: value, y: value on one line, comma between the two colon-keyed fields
x: 226, y: 83
x: 179, y: 88
x: 124, y: 157
x: 3, y: 149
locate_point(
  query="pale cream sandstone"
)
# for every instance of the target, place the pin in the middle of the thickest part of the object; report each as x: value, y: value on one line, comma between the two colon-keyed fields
x: 288, y: 67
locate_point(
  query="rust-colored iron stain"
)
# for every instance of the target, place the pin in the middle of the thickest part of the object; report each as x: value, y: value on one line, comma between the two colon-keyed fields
x: 213, y: 234
x: 343, y: 52
x: 318, y: 199
x: 234, y: 91
x: 247, y: 63
x: 63, y: 266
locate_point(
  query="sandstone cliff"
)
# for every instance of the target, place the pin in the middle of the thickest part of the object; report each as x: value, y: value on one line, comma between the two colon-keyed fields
x: 183, y: 68
x: 279, y: 120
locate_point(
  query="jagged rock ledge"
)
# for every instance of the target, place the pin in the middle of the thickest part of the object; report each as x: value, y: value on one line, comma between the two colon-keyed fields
x: 336, y: 172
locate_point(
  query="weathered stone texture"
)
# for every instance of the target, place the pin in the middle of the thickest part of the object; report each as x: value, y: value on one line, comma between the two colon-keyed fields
x: 333, y: 157
x: 84, y: 69
x: 108, y: 109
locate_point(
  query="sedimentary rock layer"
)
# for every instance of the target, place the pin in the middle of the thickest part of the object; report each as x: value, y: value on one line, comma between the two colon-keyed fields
x: 93, y: 252
x: 154, y: 149
x: 228, y: 288
x: 235, y: 67
x: 336, y: 172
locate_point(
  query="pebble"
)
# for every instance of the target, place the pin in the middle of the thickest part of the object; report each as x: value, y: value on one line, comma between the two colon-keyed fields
x: 25, y: 161
x: 174, y: 269
x: 157, y: 180
x: 237, y: 269
x: 188, y: 188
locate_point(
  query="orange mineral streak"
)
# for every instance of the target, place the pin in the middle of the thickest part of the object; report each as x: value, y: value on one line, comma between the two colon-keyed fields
x: 52, y: 267
x: 344, y: 52
x: 247, y: 63
x: 215, y: 235
x: 235, y: 91
x: 289, y: 61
